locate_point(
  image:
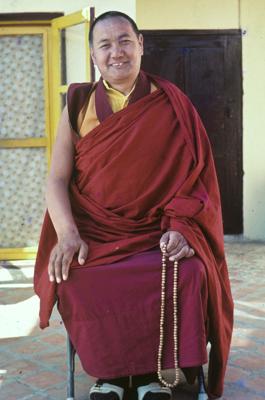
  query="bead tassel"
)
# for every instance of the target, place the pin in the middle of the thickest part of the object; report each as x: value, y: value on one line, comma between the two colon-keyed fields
x: 162, y: 320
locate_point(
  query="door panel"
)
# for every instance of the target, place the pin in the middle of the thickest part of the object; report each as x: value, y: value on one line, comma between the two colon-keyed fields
x: 24, y: 138
x: 206, y: 65
x: 23, y: 174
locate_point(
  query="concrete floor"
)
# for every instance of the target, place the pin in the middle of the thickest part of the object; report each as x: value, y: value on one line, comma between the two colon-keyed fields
x: 32, y: 362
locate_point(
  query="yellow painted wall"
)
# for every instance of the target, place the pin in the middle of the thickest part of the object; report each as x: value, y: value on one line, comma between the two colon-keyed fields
x: 67, y: 6
x: 253, y: 20
x: 187, y: 14
x: 248, y: 15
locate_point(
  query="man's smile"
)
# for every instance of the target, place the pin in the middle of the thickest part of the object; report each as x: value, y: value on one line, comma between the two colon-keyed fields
x: 119, y: 64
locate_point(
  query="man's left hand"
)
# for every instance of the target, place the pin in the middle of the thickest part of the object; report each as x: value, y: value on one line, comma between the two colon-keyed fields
x: 177, y: 246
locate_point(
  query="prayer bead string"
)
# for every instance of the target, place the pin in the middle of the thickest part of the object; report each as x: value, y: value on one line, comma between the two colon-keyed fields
x: 162, y: 320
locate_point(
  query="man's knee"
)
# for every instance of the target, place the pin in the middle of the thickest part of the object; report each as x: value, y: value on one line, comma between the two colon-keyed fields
x: 192, y: 270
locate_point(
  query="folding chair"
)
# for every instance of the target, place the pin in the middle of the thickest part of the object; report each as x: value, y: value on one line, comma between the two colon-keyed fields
x: 70, y: 369
x: 202, y: 395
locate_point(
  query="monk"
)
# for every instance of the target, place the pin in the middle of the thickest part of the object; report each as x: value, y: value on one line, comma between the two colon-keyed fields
x: 132, y: 173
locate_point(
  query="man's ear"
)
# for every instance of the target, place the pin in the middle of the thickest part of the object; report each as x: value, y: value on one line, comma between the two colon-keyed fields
x: 92, y: 55
x: 141, y: 43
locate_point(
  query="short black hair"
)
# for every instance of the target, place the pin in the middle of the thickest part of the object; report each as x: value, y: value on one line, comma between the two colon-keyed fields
x: 112, y: 14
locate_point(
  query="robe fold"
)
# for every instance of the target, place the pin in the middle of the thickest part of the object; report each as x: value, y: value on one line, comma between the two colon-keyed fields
x: 145, y: 170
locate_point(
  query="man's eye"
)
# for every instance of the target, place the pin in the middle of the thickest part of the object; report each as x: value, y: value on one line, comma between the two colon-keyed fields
x: 125, y: 41
x: 104, y: 46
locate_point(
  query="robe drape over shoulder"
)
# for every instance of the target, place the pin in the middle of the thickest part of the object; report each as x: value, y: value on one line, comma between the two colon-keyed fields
x: 145, y: 170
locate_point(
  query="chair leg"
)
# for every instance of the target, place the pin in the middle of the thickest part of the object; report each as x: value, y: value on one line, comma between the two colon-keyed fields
x: 202, y: 395
x: 70, y: 369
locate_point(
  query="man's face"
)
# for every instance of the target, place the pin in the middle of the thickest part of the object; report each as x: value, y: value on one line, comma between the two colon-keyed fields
x: 117, y: 50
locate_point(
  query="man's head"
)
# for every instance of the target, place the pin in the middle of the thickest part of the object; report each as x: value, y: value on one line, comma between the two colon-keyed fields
x: 116, y: 47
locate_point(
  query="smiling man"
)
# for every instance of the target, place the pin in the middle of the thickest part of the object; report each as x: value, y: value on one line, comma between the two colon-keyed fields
x: 116, y: 49
x: 132, y: 172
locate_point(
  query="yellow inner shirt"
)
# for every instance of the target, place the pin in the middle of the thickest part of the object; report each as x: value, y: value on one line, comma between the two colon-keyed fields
x: 87, y: 119
x: 117, y: 100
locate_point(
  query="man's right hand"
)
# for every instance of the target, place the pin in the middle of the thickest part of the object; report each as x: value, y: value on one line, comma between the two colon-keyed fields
x: 62, y: 255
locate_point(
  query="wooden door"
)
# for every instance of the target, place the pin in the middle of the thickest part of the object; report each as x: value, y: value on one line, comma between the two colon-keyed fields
x: 207, y: 66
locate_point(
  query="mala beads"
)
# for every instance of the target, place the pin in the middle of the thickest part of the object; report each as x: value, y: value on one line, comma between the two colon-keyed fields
x: 162, y: 319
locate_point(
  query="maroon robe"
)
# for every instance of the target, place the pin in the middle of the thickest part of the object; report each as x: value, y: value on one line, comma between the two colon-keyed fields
x: 144, y: 170
x: 112, y: 314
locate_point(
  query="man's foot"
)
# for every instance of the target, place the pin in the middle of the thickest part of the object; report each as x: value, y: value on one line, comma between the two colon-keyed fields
x: 153, y: 391
x: 106, y: 391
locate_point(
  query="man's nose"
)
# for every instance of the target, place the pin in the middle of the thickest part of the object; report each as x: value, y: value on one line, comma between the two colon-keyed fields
x: 116, y: 50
